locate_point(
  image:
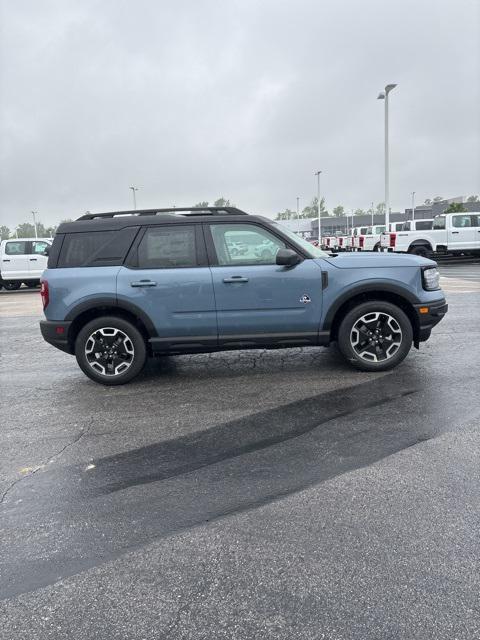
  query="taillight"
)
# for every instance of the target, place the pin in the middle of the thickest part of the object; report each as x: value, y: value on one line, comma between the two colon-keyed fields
x: 340, y: 242
x: 362, y: 241
x: 393, y: 237
x: 328, y: 242
x: 44, y: 293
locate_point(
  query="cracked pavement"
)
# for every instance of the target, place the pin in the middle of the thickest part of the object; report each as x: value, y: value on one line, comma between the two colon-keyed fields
x: 261, y: 494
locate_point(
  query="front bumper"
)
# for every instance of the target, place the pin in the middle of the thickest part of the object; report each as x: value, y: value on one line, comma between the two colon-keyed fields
x: 429, y: 314
x: 56, y: 333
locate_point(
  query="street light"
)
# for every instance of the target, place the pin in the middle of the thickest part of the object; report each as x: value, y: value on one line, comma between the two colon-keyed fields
x: 317, y: 173
x: 35, y: 223
x: 413, y: 205
x: 383, y: 95
x: 134, y: 197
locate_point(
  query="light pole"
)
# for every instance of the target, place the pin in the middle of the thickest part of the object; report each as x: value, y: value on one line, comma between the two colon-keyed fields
x: 383, y: 95
x: 372, y: 213
x: 317, y: 173
x: 134, y: 197
x: 413, y: 205
x: 35, y: 223
x: 298, y: 208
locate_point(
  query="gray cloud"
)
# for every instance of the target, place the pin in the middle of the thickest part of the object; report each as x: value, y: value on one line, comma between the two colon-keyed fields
x: 192, y: 100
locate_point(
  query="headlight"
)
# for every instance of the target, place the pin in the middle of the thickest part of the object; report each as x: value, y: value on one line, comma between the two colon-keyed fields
x: 431, y: 279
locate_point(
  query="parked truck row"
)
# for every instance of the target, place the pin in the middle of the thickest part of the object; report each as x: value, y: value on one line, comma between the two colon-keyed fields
x: 448, y: 233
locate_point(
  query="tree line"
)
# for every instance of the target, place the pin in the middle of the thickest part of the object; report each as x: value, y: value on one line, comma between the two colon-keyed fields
x: 27, y: 230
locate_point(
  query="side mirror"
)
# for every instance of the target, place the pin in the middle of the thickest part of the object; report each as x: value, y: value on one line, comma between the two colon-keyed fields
x: 46, y: 251
x: 287, y: 258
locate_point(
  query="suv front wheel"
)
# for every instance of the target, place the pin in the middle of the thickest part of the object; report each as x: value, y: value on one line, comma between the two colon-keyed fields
x: 375, y: 336
x: 110, y: 350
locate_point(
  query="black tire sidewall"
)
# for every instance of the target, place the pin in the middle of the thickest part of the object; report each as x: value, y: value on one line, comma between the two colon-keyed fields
x: 423, y: 252
x: 352, y: 316
x: 140, y: 350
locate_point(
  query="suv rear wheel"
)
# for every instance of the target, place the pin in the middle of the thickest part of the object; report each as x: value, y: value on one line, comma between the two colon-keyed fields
x: 110, y: 350
x: 375, y: 336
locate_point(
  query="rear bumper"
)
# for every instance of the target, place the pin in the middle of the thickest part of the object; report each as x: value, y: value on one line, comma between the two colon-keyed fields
x: 56, y: 334
x: 428, y: 319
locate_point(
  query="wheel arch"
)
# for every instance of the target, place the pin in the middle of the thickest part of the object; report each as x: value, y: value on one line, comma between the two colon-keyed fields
x: 83, y: 313
x: 420, y: 242
x: 404, y: 300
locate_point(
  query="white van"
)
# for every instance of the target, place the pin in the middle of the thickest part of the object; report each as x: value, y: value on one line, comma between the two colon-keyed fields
x: 22, y: 260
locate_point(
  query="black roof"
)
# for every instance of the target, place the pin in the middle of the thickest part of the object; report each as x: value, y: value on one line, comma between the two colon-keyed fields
x: 112, y: 220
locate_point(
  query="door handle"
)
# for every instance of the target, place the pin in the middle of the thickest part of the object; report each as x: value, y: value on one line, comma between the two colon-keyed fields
x: 455, y: 232
x: 235, y: 279
x: 33, y: 259
x: 143, y: 283
x: 5, y: 260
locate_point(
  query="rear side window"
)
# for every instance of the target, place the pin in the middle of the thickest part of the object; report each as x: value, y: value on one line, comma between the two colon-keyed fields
x: 17, y: 248
x: 439, y: 222
x: 168, y: 247
x: 422, y: 225
x: 97, y: 248
x: 462, y: 221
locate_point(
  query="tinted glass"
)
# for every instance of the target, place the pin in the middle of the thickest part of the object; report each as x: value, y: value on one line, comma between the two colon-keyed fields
x: 439, y: 222
x: 167, y: 247
x: 258, y: 245
x: 79, y: 249
x: 16, y: 248
x: 424, y: 224
x: 39, y: 246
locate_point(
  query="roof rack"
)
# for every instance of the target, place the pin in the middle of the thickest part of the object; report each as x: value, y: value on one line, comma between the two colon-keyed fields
x: 184, y: 211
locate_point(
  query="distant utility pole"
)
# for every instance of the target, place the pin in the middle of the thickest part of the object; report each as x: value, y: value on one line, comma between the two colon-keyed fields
x: 298, y: 208
x: 35, y: 223
x: 383, y: 95
x: 317, y: 173
x: 134, y: 197
x: 372, y: 213
x: 413, y: 205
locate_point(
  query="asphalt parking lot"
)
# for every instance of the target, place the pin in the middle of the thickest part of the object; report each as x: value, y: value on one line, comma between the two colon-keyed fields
x: 242, y: 495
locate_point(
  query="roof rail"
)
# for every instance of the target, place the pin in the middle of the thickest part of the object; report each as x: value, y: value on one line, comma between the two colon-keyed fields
x: 184, y: 211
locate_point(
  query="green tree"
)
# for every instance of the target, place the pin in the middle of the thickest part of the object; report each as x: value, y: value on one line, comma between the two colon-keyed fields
x: 202, y: 204
x: 26, y: 230
x: 288, y: 214
x: 359, y: 212
x: 311, y: 210
x: 472, y: 199
x: 4, y: 232
x: 380, y: 208
x: 221, y: 202
x: 455, y: 207
x: 338, y: 210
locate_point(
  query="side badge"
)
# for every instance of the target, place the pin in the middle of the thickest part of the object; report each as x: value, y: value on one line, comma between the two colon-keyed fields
x: 305, y: 299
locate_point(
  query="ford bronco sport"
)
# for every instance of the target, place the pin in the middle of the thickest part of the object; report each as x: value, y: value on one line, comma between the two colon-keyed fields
x: 123, y: 286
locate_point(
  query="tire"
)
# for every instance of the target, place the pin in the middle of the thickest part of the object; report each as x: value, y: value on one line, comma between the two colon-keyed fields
x: 357, y: 335
x: 12, y: 286
x: 422, y: 251
x: 131, y: 351
x: 31, y: 284
x: 377, y: 247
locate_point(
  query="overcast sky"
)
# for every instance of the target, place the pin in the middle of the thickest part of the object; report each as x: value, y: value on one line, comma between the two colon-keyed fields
x: 195, y: 99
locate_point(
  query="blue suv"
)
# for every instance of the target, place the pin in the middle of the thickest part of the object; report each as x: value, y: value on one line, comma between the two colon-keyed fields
x: 123, y: 286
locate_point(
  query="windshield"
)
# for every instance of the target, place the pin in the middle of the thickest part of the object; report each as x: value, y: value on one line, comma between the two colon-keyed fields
x: 310, y: 249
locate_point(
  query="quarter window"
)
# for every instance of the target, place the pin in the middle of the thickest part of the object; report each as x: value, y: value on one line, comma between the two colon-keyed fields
x: 16, y: 248
x: 244, y: 244
x: 423, y: 225
x: 167, y: 247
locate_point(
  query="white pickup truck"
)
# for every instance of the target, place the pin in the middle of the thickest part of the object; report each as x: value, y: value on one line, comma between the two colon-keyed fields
x: 370, y: 241
x: 453, y: 233
x: 22, y: 260
x: 355, y: 234
x: 408, y: 225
